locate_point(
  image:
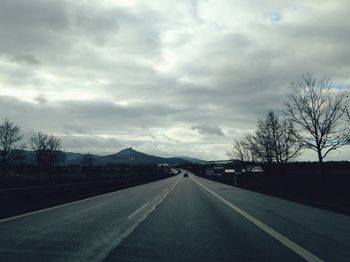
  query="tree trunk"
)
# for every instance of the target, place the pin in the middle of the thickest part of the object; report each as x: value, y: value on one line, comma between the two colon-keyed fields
x: 3, y: 170
x: 320, y: 158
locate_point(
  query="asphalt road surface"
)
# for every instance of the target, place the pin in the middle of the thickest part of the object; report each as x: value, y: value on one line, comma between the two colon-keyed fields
x: 177, y: 219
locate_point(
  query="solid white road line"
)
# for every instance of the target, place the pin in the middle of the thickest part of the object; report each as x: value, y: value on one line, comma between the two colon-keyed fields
x: 282, y: 239
x: 59, y: 206
x: 138, y: 210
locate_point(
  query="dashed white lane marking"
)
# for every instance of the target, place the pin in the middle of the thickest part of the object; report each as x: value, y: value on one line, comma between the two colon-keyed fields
x: 138, y: 210
x: 308, y: 256
x: 165, y: 189
x: 126, y: 233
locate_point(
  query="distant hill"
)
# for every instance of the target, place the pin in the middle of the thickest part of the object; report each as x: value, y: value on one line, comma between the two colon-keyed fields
x: 133, y: 157
x: 127, y: 156
x: 74, y: 159
x: 193, y: 160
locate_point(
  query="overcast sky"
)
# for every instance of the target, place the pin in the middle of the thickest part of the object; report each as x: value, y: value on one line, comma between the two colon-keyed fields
x: 165, y: 77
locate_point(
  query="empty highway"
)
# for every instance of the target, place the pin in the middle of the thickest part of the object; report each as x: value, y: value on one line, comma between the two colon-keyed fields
x: 177, y: 219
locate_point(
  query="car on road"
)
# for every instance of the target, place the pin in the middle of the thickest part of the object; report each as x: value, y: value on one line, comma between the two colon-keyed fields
x: 185, y: 175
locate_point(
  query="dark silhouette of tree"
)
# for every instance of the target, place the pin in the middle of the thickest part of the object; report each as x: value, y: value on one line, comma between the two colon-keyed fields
x: 273, y: 140
x: 241, y: 151
x: 38, y: 143
x: 287, y: 146
x: 48, y: 151
x: 10, y: 136
x: 87, y: 160
x: 277, y: 139
x: 55, y: 155
x: 317, y: 110
x: 54, y: 151
x: 254, y: 147
x: 264, y: 139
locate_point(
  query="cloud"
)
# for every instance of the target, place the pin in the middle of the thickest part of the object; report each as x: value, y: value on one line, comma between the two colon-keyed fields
x: 155, y: 76
x: 86, y: 144
x: 25, y: 59
x: 209, y: 130
x: 41, y: 100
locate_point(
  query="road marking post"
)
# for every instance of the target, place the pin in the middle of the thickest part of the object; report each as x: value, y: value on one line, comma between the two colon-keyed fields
x: 308, y: 256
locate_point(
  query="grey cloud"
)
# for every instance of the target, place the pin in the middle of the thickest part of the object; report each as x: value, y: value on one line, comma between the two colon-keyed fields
x: 87, y: 116
x: 33, y: 14
x: 40, y: 99
x: 30, y: 25
x: 66, y: 33
x: 75, y: 128
x: 118, y: 27
x: 17, y: 77
x: 95, y: 144
x: 209, y: 130
x: 25, y: 59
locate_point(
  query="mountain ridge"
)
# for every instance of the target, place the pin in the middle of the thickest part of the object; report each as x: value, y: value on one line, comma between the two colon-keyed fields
x: 127, y: 156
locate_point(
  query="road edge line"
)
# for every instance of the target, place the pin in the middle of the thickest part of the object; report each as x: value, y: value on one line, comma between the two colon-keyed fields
x: 67, y: 204
x: 308, y: 256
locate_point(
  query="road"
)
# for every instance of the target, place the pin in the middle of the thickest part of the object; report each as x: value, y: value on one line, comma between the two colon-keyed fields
x: 177, y: 219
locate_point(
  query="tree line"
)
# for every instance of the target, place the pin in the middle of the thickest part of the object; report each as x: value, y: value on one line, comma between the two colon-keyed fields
x: 315, y: 116
x: 47, y: 148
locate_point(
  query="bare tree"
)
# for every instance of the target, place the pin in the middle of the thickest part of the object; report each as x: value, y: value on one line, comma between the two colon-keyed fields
x: 288, y: 147
x: 254, y: 148
x: 54, y: 151
x: 241, y: 151
x: 38, y: 143
x: 87, y: 160
x: 265, y: 137
x: 48, y: 151
x: 273, y: 140
x: 278, y: 138
x: 55, y: 155
x: 10, y: 136
x: 317, y: 109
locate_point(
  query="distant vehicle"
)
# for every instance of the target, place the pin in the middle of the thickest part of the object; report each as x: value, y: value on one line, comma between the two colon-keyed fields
x: 185, y: 175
